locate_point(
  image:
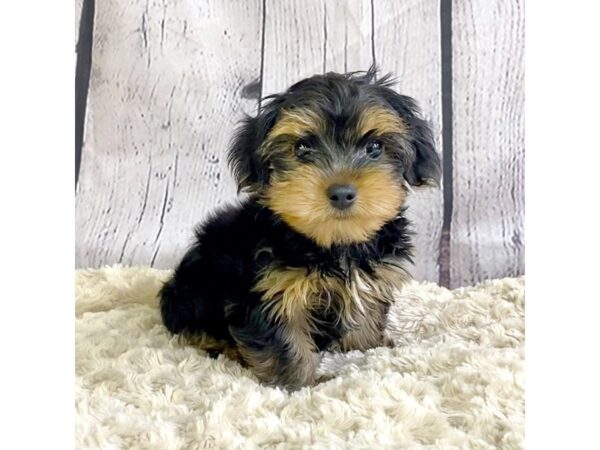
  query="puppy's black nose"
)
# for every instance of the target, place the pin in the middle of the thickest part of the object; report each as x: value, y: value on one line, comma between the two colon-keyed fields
x: 341, y: 196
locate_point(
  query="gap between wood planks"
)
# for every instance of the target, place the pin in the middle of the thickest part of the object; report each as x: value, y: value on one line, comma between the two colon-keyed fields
x: 82, y: 75
x: 446, y: 64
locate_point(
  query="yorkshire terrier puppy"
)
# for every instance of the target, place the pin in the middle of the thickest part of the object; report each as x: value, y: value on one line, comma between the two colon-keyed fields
x: 311, y: 259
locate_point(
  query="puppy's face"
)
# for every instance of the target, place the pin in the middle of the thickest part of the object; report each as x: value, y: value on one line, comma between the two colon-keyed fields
x: 331, y: 156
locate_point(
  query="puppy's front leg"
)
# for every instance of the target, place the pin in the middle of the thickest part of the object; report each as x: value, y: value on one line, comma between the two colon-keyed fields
x: 368, y: 333
x: 279, y: 353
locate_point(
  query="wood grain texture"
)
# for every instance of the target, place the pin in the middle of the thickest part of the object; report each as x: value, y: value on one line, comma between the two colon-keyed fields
x: 166, y: 89
x: 348, y: 34
x: 294, y: 43
x: 84, y: 21
x: 78, y: 7
x: 303, y: 38
x: 488, y: 156
x: 407, y: 43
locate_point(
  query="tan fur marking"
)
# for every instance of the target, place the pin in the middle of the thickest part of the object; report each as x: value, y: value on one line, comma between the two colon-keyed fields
x: 368, y: 334
x: 300, y: 371
x: 264, y: 366
x: 297, y: 335
x: 290, y: 293
x: 210, y: 344
x: 204, y: 342
x: 383, y: 120
x: 287, y: 296
x: 392, y: 276
x: 292, y: 288
x: 297, y: 122
x: 368, y: 328
x: 300, y: 199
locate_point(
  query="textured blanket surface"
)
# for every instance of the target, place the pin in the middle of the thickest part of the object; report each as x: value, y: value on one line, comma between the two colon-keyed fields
x: 453, y: 381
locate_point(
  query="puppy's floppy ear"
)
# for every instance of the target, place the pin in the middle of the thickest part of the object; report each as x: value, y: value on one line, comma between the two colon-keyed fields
x: 426, y: 166
x: 249, y: 168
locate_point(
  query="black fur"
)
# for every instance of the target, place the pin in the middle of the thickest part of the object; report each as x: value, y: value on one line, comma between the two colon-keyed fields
x: 211, y: 289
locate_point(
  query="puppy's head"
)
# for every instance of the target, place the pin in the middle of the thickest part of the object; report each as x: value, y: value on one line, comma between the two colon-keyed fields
x: 331, y: 156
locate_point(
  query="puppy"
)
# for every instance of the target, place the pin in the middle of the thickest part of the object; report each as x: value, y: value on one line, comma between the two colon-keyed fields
x: 310, y: 260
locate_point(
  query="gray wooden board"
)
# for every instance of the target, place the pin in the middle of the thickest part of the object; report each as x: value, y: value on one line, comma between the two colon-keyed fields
x: 165, y: 93
x: 488, y: 145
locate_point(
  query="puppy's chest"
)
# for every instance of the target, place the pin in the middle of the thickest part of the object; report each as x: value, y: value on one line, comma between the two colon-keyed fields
x: 299, y: 292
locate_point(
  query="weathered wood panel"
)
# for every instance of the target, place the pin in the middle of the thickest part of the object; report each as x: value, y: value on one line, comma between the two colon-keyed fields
x: 303, y: 38
x: 348, y: 35
x: 294, y: 43
x: 78, y: 7
x: 488, y: 145
x: 407, y: 43
x: 165, y: 92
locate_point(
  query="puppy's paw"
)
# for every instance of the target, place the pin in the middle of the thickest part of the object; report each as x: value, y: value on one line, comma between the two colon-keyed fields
x: 388, y: 342
x: 322, y: 378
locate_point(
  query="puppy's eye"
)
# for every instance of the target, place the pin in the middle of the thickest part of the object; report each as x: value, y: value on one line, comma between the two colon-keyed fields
x: 374, y: 149
x: 302, y: 149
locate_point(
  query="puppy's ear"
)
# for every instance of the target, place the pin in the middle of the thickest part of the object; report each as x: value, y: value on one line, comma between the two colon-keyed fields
x: 425, y: 168
x: 249, y: 168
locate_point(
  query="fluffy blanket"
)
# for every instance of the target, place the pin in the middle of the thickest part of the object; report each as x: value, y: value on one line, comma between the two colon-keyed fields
x: 454, y: 379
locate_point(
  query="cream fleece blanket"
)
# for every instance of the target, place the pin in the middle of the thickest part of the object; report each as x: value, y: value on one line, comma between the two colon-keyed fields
x: 454, y: 380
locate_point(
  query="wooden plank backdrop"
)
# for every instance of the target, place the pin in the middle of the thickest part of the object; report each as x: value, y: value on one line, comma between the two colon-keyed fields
x: 166, y: 88
x: 169, y: 80
x: 486, y: 239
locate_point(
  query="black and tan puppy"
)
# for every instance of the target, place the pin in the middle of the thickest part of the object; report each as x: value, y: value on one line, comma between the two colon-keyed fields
x: 311, y: 259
